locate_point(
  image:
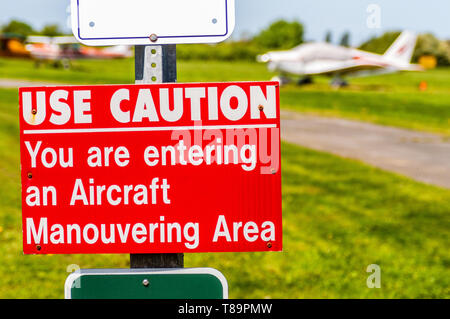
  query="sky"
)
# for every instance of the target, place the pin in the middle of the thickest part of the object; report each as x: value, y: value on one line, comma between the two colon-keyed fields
x: 362, y: 18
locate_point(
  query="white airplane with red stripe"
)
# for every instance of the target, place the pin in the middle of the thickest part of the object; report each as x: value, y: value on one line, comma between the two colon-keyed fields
x: 311, y: 59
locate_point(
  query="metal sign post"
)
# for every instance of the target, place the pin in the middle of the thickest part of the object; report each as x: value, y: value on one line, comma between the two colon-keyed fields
x: 156, y: 64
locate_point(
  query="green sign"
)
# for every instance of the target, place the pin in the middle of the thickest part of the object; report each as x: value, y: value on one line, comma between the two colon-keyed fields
x: 186, y: 283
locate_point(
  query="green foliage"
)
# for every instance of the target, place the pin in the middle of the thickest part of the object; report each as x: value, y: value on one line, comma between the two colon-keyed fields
x: 280, y: 35
x: 51, y: 30
x: 22, y: 29
x: 18, y: 28
x: 345, y: 40
x: 226, y: 51
x: 428, y: 44
x: 380, y: 44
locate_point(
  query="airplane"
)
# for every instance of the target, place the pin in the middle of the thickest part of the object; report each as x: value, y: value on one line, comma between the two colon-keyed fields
x: 307, y: 60
x: 12, y: 46
x: 66, y: 48
x: 59, y: 49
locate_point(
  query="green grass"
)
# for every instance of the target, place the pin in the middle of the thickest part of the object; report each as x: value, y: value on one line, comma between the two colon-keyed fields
x: 122, y: 71
x: 392, y: 99
x: 82, y: 72
x: 339, y: 216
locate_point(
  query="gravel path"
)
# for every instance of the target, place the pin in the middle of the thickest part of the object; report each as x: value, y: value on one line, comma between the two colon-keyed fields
x: 421, y: 156
x: 13, y: 84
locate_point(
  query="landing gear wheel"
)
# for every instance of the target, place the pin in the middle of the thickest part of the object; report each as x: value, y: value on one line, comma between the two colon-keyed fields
x: 338, y: 83
x: 281, y: 79
x: 305, y: 80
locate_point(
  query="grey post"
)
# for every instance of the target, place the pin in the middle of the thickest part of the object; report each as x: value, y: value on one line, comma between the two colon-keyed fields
x: 156, y: 64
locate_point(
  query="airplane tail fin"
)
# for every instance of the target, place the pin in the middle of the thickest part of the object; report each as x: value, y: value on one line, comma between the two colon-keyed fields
x: 403, y: 47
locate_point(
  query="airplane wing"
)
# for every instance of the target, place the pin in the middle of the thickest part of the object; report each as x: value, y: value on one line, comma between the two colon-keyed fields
x: 342, y: 67
x: 52, y: 40
x: 355, y: 66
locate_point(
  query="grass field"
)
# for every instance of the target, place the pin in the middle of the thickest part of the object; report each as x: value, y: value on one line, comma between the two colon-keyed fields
x: 339, y: 216
x: 392, y: 99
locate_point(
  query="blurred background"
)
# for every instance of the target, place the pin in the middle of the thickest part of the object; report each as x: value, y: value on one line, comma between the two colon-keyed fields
x: 365, y: 160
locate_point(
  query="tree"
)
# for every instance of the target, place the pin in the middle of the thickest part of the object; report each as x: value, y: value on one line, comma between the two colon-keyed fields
x: 380, y: 44
x: 18, y: 28
x: 345, y: 40
x: 329, y: 37
x: 428, y: 44
x: 51, y: 30
x: 280, y: 35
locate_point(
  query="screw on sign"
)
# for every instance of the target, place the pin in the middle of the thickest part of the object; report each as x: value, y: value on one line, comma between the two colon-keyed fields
x: 160, y: 168
x: 153, y: 37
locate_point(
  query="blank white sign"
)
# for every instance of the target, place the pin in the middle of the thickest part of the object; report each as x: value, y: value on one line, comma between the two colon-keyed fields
x: 133, y: 22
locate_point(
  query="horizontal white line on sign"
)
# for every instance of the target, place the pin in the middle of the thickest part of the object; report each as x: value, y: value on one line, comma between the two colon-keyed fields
x: 148, y: 129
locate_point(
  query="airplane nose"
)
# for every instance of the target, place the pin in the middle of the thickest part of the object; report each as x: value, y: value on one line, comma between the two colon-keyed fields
x: 264, y: 58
